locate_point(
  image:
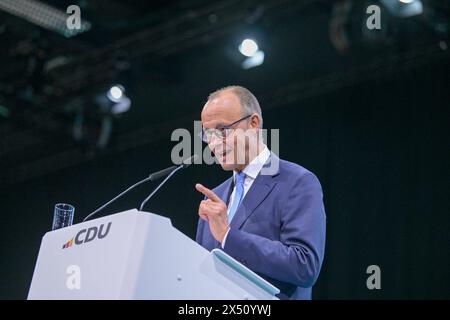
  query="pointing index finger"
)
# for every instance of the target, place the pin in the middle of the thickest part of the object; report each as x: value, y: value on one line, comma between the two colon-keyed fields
x: 209, y: 193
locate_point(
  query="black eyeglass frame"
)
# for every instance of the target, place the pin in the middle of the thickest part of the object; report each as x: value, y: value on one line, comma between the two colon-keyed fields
x: 221, y: 132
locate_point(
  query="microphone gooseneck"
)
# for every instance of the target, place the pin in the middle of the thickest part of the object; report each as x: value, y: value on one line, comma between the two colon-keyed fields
x: 152, y: 177
x: 186, y: 163
x: 159, y: 186
x: 117, y: 197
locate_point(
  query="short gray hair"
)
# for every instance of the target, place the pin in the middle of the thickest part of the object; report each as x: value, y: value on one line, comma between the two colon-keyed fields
x: 248, y: 101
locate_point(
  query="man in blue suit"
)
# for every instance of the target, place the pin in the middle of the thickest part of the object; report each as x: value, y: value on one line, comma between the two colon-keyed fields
x: 269, y: 215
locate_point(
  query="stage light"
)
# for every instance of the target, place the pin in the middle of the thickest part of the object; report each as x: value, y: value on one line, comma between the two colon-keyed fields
x: 248, y: 47
x: 255, y: 60
x: 115, y: 93
x: 403, y: 8
x: 121, y: 103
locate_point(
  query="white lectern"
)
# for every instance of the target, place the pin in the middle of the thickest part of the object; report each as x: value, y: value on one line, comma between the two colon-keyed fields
x: 137, y: 255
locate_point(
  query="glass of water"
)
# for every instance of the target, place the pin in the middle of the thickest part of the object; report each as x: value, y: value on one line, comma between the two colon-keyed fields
x: 63, y: 215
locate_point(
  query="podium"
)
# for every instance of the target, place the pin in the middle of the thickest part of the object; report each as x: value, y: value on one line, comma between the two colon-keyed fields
x: 138, y: 255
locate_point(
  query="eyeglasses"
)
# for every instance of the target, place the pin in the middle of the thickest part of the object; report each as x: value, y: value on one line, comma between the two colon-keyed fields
x: 221, y: 132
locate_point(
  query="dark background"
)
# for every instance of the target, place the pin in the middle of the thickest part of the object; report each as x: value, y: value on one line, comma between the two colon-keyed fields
x: 371, y: 121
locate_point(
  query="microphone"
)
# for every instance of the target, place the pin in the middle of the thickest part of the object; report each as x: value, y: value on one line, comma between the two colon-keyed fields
x: 152, y: 177
x: 162, y: 173
x: 186, y: 163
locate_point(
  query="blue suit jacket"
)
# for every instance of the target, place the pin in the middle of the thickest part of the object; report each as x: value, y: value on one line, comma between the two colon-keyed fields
x: 278, y: 230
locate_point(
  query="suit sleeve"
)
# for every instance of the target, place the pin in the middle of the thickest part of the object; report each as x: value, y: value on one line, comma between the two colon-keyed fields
x: 297, y: 257
x: 198, y: 236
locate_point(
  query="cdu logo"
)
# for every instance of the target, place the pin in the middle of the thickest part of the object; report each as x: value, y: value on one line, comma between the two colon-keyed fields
x: 87, y: 235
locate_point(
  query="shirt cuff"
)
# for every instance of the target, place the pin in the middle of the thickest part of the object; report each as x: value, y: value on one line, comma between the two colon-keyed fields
x: 224, y: 239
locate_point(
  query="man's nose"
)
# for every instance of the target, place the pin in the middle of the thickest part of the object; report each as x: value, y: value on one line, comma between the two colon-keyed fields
x: 215, y: 142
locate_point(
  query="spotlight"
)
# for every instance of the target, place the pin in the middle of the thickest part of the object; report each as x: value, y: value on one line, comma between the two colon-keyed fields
x: 248, y: 47
x: 250, y: 54
x: 114, y: 101
x: 122, y: 106
x: 115, y: 93
x: 256, y: 60
x: 403, y: 8
x: 121, y: 103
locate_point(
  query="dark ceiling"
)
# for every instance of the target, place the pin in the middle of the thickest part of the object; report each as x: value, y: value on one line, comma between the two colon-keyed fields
x: 170, y: 54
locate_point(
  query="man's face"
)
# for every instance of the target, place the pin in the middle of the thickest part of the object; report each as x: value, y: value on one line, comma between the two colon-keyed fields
x: 232, y: 151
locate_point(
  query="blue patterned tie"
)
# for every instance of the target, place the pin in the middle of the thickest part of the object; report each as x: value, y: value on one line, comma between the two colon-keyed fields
x: 239, y: 193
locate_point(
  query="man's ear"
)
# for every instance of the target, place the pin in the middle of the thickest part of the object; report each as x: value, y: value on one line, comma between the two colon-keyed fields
x: 255, y: 121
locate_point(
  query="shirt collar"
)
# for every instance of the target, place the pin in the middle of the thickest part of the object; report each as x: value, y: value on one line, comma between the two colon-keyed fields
x: 254, y: 167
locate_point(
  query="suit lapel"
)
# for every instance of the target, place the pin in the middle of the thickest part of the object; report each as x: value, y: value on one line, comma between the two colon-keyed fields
x: 225, y: 191
x: 259, y: 190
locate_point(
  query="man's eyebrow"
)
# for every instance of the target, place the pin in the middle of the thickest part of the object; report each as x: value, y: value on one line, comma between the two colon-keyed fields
x: 219, y: 125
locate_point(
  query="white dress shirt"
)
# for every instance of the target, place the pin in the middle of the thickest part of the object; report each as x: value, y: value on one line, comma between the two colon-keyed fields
x: 251, y: 172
